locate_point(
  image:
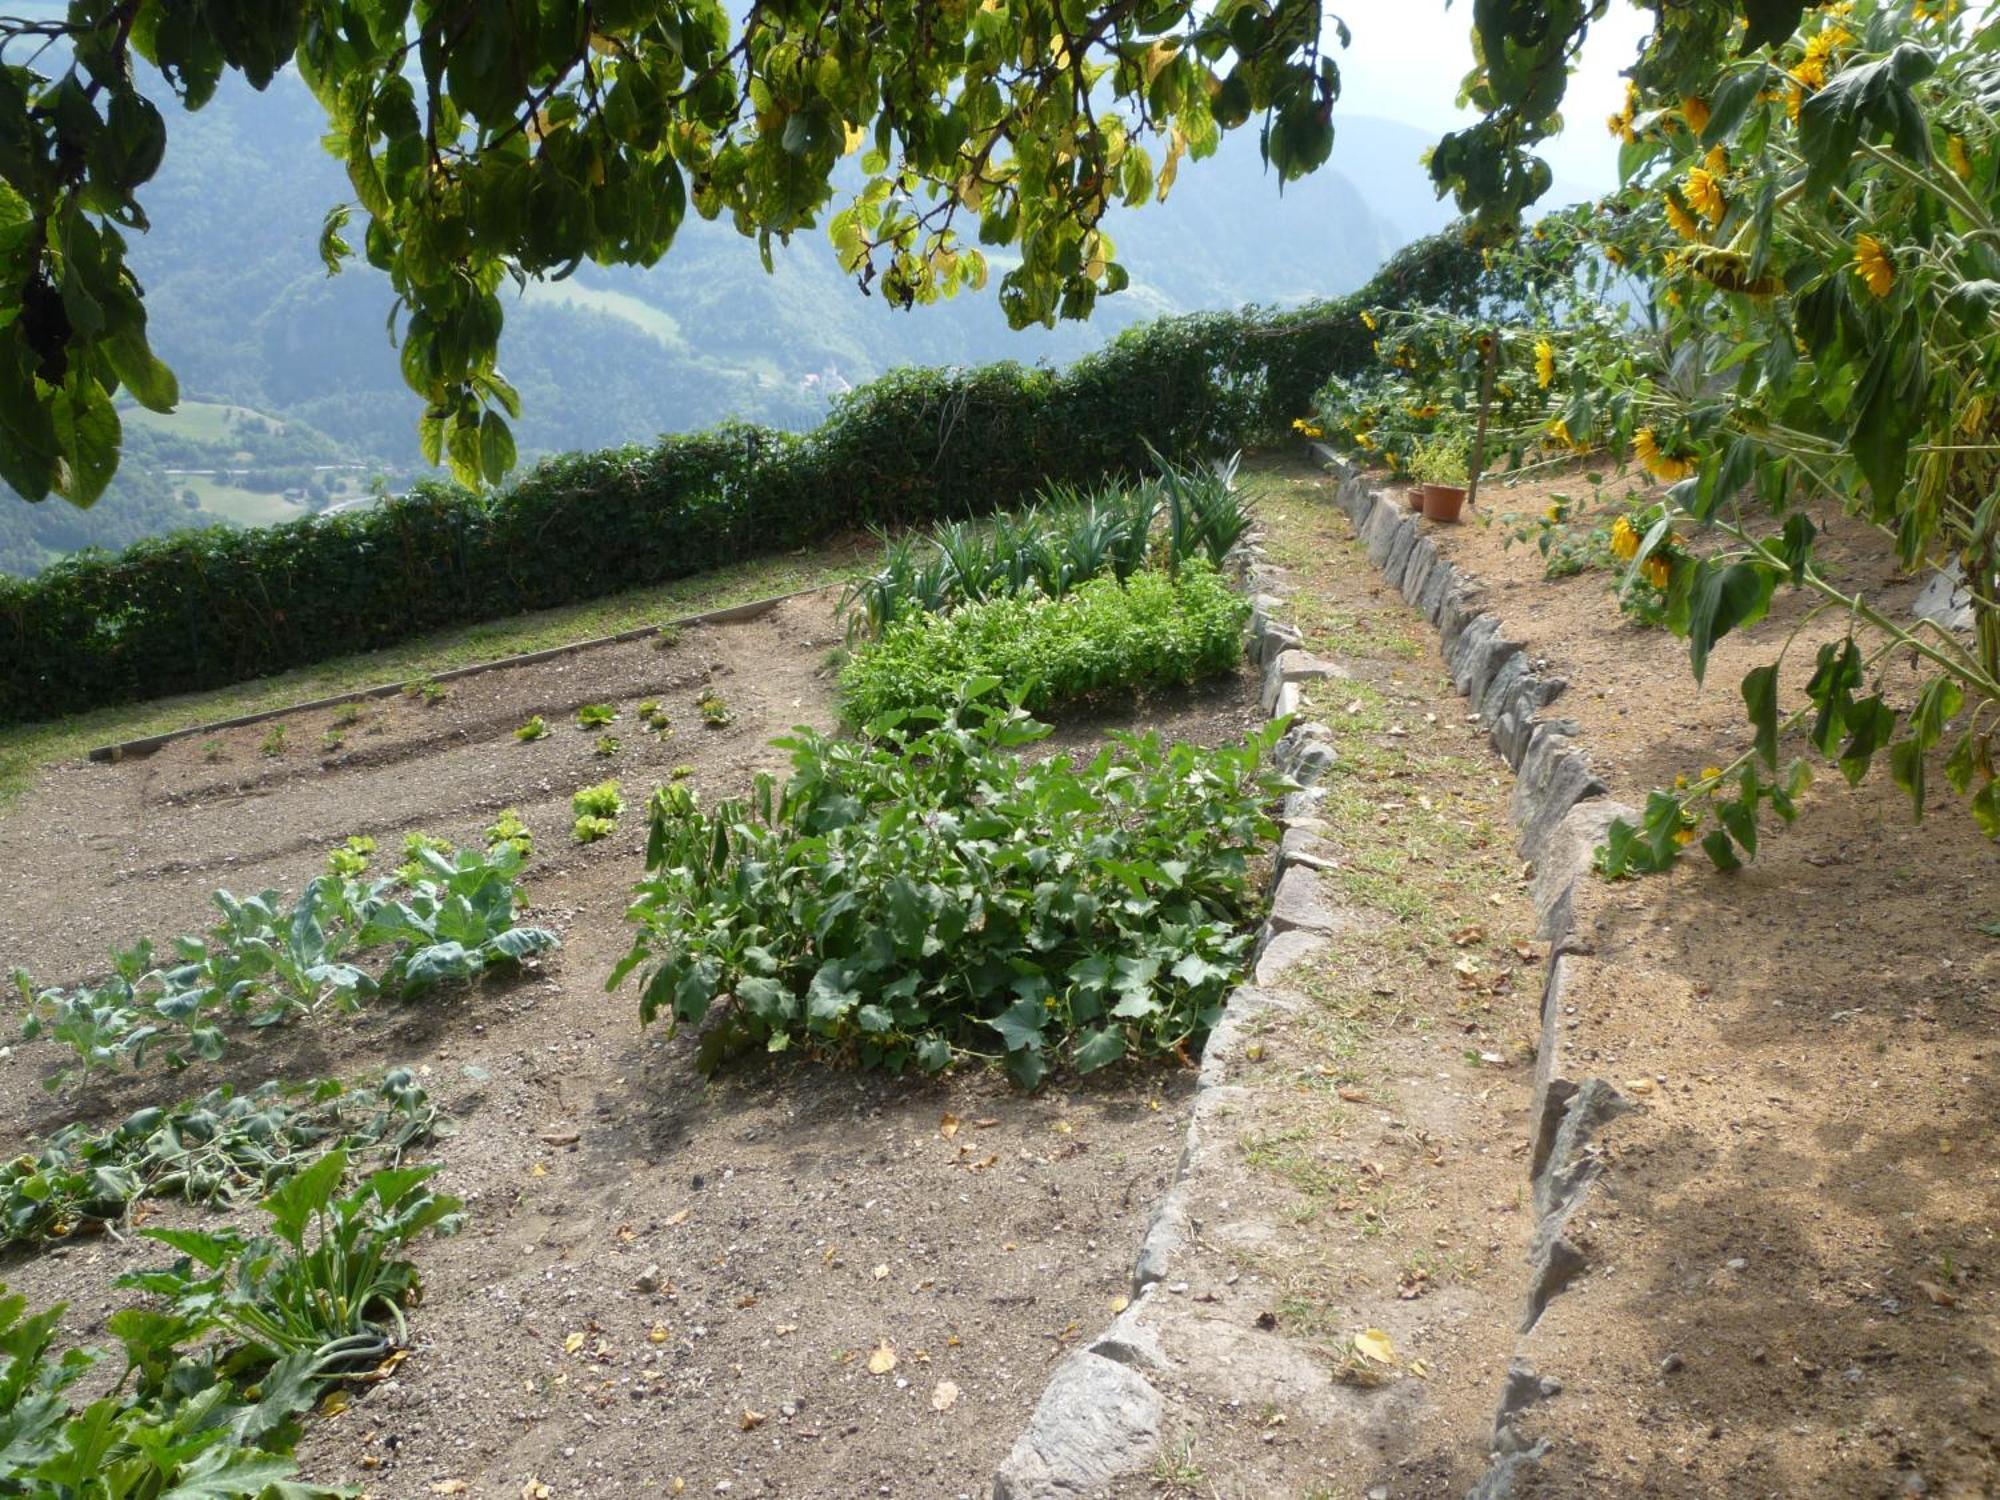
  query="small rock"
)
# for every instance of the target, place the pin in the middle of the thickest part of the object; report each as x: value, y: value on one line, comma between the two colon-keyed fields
x: 1736, y: 1263
x: 1671, y: 1363
x: 649, y: 1280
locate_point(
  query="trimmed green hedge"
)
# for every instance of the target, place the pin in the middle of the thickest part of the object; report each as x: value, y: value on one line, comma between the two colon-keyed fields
x: 202, y: 608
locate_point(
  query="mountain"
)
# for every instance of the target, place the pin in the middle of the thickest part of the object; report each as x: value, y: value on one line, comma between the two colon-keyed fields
x: 292, y: 399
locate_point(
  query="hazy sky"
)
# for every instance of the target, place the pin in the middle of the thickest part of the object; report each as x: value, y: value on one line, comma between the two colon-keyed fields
x: 1409, y: 55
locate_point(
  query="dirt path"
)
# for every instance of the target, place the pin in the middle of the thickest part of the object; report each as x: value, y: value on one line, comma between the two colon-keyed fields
x: 1364, y: 1192
x: 662, y: 1278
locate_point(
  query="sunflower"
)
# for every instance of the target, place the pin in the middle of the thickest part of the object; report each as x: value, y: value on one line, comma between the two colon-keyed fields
x: 1684, y: 222
x: 1624, y: 540
x: 1368, y: 320
x: 1559, y: 431
x: 1961, y: 161
x: 1717, y: 161
x: 1662, y: 465
x: 1658, y: 572
x: 1873, y: 265
x: 1695, y: 111
x: 1545, y: 363
x: 1702, y: 193
x: 1620, y: 124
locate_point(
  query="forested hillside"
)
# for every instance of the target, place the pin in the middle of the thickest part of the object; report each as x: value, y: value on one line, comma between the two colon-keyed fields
x: 292, y: 399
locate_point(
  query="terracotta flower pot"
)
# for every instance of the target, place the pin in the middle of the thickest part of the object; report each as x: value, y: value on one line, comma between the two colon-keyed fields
x: 1414, y: 497
x: 1443, y: 501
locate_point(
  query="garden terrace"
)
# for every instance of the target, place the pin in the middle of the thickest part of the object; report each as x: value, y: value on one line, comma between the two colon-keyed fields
x: 661, y: 1274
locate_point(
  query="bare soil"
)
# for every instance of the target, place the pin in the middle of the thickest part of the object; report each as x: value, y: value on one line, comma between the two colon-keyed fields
x: 1794, y: 1264
x: 663, y: 1278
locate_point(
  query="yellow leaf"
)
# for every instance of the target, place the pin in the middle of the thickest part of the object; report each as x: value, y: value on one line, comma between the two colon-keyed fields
x: 1375, y: 1345
x: 752, y: 1419
x: 1639, y: 1085
x: 573, y: 1343
x: 534, y: 1489
x: 1419, y: 1369
x: 659, y: 1334
x: 1119, y: 1304
x: 881, y: 1273
x: 1063, y: 1127
x: 334, y: 1404
x: 449, y: 1487
x: 943, y: 1397
x: 948, y: 1126
x: 679, y: 1218
x: 538, y: 1170
x: 883, y: 1360
x: 680, y: 1485
x: 854, y: 140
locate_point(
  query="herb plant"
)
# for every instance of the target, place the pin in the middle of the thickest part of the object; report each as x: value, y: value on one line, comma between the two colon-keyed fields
x: 596, y: 716
x: 537, y: 728
x: 928, y: 892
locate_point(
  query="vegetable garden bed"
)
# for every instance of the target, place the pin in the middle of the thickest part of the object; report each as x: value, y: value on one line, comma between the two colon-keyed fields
x: 765, y: 1276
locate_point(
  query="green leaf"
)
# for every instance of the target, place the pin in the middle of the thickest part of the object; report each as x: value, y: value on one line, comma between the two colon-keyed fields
x: 1725, y: 598
x: 1099, y: 1049
x: 1760, y: 696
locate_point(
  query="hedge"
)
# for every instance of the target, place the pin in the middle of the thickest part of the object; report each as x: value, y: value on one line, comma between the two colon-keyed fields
x: 202, y: 608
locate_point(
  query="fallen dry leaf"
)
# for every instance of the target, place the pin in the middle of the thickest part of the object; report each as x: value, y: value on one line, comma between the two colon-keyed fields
x: 334, y: 1404
x: 1375, y: 1345
x: 450, y: 1487
x: 1119, y: 1304
x: 883, y: 1360
x: 948, y: 1126
x: 679, y: 1218
x: 1639, y: 1085
x: 534, y: 1489
x: 1466, y: 936
x: 880, y: 1273
x: 1063, y: 1127
x: 560, y: 1137
x: 572, y: 1343
x: 658, y: 1335
x: 943, y: 1397
x: 1941, y: 1295
x: 752, y: 1419
x: 538, y: 1170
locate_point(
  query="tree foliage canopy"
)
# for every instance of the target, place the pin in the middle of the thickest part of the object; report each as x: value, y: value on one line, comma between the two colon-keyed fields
x: 489, y: 140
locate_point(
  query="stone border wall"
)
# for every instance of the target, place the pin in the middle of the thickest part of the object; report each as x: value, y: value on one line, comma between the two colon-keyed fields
x: 1099, y: 1416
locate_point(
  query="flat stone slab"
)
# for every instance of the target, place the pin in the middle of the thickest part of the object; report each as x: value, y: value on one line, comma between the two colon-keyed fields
x: 1098, y: 1419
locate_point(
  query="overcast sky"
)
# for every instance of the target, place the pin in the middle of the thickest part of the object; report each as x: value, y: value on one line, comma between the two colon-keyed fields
x: 1409, y: 56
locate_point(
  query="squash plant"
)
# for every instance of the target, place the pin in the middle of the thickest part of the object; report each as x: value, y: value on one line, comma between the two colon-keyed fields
x: 929, y: 893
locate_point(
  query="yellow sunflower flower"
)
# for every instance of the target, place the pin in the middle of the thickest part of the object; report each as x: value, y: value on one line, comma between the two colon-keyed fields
x: 1872, y: 264
x: 1702, y: 193
x: 1961, y: 161
x: 1684, y: 222
x: 1559, y: 430
x: 1717, y: 161
x: 1695, y: 111
x: 1658, y: 572
x: 1368, y: 320
x: 1624, y: 540
x: 1545, y: 363
x: 1662, y: 465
